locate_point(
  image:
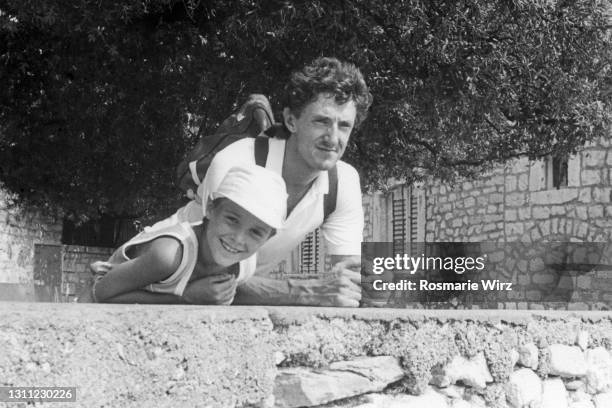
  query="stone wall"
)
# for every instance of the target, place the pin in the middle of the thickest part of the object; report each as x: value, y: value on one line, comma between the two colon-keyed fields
x: 20, y: 230
x: 194, y: 356
x: 513, y: 203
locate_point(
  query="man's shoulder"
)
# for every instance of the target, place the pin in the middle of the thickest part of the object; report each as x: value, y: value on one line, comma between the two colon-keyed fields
x: 239, y: 151
x: 346, y: 171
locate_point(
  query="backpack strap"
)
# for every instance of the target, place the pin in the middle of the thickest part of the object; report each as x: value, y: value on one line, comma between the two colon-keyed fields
x: 329, y: 200
x: 261, y: 150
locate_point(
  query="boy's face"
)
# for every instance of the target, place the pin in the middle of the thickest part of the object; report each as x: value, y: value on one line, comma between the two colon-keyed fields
x: 234, y: 234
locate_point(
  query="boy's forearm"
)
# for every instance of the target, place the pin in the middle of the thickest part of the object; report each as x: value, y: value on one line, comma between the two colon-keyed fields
x: 146, y: 297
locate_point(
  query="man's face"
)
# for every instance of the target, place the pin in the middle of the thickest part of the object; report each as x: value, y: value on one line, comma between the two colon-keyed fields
x: 234, y: 234
x: 322, y: 130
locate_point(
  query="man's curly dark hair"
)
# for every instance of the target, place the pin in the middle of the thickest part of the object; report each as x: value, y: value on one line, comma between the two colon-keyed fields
x: 331, y: 76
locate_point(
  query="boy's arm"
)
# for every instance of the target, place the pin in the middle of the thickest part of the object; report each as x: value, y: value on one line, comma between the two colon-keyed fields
x: 156, y: 262
x: 146, y: 297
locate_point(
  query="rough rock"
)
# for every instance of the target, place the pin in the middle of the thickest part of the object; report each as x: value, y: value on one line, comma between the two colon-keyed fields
x: 582, y: 404
x: 579, y: 396
x: 461, y: 404
x: 528, y: 356
x: 296, y: 387
x: 473, y: 372
x: 554, y: 394
x: 523, y: 388
x: 575, y: 385
x: 603, y: 400
x: 599, y: 370
x: 514, y: 357
x: 582, y: 339
x: 567, y: 361
x: 381, y: 369
x: 452, y: 391
x: 429, y: 399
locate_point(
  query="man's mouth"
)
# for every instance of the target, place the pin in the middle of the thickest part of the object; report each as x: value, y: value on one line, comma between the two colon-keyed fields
x: 330, y: 149
x: 229, y: 248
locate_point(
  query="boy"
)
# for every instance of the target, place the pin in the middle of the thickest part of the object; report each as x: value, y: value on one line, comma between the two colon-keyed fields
x: 174, y: 264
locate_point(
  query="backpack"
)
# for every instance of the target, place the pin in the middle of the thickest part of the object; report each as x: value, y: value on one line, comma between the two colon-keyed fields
x: 253, y: 119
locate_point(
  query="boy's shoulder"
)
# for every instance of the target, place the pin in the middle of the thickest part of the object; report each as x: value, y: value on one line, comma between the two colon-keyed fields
x: 166, y: 252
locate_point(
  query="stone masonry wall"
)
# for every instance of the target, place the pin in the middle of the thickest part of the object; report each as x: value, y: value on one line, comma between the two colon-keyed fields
x: 20, y: 230
x: 282, y: 357
x: 512, y: 202
x: 75, y: 267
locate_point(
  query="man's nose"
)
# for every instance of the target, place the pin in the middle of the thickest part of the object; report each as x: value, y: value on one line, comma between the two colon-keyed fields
x: 333, y: 133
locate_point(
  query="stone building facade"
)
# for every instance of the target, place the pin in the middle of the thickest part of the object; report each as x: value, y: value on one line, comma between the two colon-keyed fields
x: 20, y: 230
x: 530, y: 202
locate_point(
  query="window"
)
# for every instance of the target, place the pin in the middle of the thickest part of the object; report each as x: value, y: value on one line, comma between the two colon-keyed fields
x: 557, y: 172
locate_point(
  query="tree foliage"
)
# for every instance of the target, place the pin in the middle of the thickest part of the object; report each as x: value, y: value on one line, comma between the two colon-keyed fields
x: 99, y: 101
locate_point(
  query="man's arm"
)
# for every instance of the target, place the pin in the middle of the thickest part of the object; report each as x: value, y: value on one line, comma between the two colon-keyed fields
x: 340, y: 288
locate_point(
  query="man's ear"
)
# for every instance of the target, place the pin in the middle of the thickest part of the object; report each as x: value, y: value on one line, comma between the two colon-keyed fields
x: 289, y: 119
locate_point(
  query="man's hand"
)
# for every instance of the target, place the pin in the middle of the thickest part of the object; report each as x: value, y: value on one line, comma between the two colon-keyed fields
x: 341, y: 288
x: 211, y: 290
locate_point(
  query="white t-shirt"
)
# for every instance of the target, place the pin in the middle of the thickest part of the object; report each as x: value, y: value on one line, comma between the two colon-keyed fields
x: 342, y: 231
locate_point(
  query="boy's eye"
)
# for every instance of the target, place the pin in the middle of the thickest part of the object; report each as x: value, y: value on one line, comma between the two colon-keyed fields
x: 258, y: 233
x: 231, y: 219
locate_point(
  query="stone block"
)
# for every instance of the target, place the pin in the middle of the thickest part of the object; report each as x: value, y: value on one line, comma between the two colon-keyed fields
x: 585, y: 195
x: 496, y: 198
x: 516, y: 199
x: 537, y: 175
x: 511, y: 183
x: 554, y: 394
x: 472, y: 372
x: 594, y: 158
x: 523, y: 182
x: 469, y: 202
x: 596, y: 211
x: 524, y: 389
x: 603, y: 400
x: 602, y: 195
x: 567, y: 361
x: 599, y: 370
x: 298, y: 387
x: 558, y: 210
x: 551, y: 197
x: 429, y: 399
x: 511, y: 215
x: 582, y: 212
x: 590, y: 177
x: 528, y: 356
x: 524, y: 213
x: 573, y: 171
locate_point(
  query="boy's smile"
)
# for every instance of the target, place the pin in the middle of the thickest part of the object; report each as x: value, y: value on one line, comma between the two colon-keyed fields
x: 233, y: 234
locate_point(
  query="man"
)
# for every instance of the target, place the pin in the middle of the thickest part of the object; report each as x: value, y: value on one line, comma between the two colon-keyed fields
x: 324, y: 102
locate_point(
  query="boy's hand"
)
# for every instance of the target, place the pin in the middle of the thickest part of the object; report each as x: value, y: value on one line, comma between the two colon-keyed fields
x: 100, y: 267
x: 211, y: 290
